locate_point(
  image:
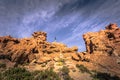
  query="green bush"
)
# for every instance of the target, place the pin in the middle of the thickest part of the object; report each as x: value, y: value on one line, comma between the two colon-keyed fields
x: 65, y: 73
x: 2, y: 65
x: 17, y: 74
x: 0, y: 76
x: 104, y: 76
x: 82, y: 68
x: 47, y: 75
x: 65, y: 70
x: 61, y: 60
x: 22, y: 74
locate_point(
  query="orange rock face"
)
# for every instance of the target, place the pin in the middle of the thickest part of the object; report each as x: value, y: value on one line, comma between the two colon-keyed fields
x: 38, y: 52
x: 20, y: 50
x: 28, y: 49
x: 104, y: 41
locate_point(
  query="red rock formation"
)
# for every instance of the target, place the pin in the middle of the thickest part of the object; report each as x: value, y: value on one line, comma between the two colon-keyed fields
x: 20, y: 50
x: 104, y: 41
x: 37, y: 51
x: 28, y: 49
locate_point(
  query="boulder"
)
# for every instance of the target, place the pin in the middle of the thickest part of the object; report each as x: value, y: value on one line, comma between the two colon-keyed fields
x: 75, y: 57
x: 43, y: 60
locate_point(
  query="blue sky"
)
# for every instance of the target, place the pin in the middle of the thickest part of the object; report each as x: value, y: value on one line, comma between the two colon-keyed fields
x: 67, y: 20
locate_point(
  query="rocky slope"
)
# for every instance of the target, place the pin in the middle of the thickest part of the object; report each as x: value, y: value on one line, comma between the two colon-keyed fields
x: 103, y: 49
x: 20, y: 51
x: 36, y: 53
x: 104, y: 41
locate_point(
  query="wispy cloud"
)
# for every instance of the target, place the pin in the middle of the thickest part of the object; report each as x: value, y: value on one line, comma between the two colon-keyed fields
x: 97, y: 19
x: 66, y: 19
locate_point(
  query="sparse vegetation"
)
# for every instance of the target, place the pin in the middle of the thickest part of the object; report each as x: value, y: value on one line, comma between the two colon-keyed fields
x: 61, y: 62
x: 2, y: 65
x: 97, y: 75
x: 47, y: 75
x: 104, y: 76
x: 82, y: 68
x: 64, y: 72
x: 22, y: 74
x: 16, y: 74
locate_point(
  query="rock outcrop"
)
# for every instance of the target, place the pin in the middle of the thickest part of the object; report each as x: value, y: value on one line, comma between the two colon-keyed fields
x: 102, y: 52
x: 28, y: 49
x: 105, y: 41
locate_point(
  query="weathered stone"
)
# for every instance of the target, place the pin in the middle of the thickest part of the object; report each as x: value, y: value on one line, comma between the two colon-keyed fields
x: 20, y: 50
x: 75, y: 57
x: 104, y: 41
x: 43, y: 60
x: 31, y: 57
x: 40, y: 53
x: 40, y: 36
